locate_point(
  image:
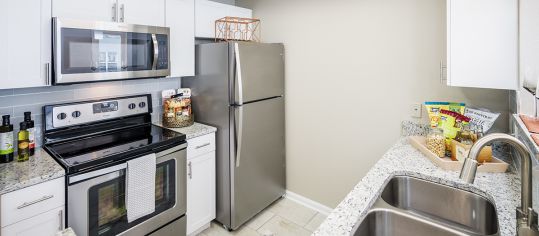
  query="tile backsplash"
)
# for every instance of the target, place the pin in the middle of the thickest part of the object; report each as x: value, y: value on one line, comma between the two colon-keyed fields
x: 15, y: 102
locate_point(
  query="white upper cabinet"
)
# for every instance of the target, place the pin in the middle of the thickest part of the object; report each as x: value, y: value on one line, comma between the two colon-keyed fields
x: 482, y: 43
x: 94, y: 10
x: 142, y: 12
x: 25, y: 43
x: 207, y: 12
x: 180, y: 17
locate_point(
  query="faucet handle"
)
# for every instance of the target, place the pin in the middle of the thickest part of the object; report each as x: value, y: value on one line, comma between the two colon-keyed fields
x: 532, y: 218
x: 529, y: 218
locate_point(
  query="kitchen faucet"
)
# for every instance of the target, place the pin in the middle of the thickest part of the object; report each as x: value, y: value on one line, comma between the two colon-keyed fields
x: 526, y: 216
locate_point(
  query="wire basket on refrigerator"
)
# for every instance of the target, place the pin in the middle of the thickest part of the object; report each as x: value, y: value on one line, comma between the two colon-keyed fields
x: 237, y: 29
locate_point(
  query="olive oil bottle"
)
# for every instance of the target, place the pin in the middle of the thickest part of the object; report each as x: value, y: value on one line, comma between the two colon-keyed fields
x: 23, y: 144
x: 31, y: 132
x: 6, y: 140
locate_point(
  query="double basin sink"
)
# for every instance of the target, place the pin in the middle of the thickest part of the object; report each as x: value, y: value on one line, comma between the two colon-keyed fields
x: 413, y: 206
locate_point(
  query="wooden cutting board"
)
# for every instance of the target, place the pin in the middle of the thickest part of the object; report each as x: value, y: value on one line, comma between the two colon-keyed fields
x: 419, y: 142
x: 531, y: 123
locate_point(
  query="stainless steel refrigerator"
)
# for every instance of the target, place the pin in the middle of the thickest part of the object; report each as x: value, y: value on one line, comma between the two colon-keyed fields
x: 239, y: 88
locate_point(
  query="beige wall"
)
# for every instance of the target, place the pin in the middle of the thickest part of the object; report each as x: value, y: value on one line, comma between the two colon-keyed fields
x: 353, y: 68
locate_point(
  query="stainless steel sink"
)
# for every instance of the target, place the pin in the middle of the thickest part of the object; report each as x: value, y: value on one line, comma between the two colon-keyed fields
x: 413, y: 206
x: 384, y: 222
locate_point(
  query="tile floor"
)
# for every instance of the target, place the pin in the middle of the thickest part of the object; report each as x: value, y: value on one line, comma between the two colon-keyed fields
x: 283, y: 218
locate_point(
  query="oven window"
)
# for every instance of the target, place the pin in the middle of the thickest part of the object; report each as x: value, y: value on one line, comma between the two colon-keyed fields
x: 107, y: 212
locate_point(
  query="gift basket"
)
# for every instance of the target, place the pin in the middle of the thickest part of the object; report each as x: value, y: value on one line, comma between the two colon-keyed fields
x: 177, y: 111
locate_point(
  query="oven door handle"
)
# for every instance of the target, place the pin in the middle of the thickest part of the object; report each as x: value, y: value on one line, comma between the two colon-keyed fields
x: 93, y: 174
x: 155, y: 51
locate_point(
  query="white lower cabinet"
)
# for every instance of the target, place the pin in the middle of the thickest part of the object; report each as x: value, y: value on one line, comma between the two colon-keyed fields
x: 44, y: 224
x: 200, y: 185
x: 34, y: 210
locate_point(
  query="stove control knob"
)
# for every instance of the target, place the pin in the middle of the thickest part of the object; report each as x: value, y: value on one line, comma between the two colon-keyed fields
x: 132, y: 106
x: 75, y: 114
x: 61, y: 116
x: 142, y: 104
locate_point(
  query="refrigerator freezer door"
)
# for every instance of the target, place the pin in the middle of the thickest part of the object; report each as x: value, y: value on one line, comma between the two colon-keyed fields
x: 259, y: 177
x: 259, y: 71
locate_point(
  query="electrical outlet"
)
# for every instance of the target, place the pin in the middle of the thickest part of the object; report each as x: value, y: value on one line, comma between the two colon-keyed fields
x: 415, y: 110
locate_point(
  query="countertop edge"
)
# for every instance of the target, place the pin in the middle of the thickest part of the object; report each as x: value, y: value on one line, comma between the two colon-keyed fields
x: 402, y: 159
x: 193, y: 131
x: 39, y: 169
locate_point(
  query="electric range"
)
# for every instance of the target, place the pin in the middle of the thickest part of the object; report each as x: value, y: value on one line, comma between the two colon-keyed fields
x: 93, y: 140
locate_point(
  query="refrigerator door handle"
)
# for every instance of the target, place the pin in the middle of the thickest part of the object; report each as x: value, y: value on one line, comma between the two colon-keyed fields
x: 239, y: 134
x: 239, y: 81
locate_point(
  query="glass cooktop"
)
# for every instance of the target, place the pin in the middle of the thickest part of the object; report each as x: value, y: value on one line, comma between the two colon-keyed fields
x: 113, y: 147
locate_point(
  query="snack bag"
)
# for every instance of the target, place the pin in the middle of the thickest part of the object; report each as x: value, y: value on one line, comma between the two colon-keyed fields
x: 451, y: 123
x: 457, y: 107
x: 481, y: 118
x: 433, y: 109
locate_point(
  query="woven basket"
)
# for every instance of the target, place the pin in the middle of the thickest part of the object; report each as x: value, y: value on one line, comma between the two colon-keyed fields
x: 179, y: 121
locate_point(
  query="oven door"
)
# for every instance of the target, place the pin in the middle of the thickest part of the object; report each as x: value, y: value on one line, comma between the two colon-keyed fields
x: 95, y: 51
x: 96, y: 200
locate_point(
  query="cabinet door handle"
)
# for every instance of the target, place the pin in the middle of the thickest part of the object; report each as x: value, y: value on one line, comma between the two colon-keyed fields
x: 122, y: 13
x: 442, y: 68
x: 190, y: 171
x: 114, y: 12
x: 61, y: 222
x: 48, y: 73
x: 26, y: 204
x: 203, y: 145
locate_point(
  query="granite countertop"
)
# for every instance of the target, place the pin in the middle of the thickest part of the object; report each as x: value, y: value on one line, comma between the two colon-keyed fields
x: 402, y: 159
x: 195, y: 130
x: 40, y: 168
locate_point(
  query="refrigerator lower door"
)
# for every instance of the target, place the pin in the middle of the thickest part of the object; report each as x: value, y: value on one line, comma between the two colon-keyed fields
x: 258, y: 158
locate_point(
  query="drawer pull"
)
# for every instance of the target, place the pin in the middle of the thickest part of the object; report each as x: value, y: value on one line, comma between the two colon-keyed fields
x: 61, y: 220
x: 35, y: 201
x: 203, y: 145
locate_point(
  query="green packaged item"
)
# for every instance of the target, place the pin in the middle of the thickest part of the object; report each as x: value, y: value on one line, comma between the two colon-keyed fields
x: 451, y: 123
x: 457, y: 107
x: 433, y: 110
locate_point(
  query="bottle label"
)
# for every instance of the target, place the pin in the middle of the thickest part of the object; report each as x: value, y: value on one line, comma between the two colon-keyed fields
x: 6, y: 143
x: 23, y: 145
x: 31, y: 137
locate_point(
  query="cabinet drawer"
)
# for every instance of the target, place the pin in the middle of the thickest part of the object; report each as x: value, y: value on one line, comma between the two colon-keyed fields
x: 200, y: 145
x: 44, y: 224
x: 30, y: 201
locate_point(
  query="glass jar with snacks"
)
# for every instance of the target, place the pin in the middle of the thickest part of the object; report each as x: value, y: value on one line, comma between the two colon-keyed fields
x: 436, y: 141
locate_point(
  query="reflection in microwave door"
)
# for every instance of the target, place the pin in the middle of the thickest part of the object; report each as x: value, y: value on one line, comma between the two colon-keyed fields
x: 98, y: 35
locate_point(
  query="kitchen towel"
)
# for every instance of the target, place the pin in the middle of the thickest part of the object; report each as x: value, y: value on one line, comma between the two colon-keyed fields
x: 140, y: 179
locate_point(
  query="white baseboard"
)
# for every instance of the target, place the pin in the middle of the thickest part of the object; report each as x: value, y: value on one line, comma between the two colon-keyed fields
x: 308, y: 203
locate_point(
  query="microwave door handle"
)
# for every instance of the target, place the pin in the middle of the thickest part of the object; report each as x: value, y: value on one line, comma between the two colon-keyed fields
x: 155, y: 51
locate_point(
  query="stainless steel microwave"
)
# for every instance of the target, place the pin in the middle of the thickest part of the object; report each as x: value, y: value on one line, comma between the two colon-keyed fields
x: 89, y: 51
